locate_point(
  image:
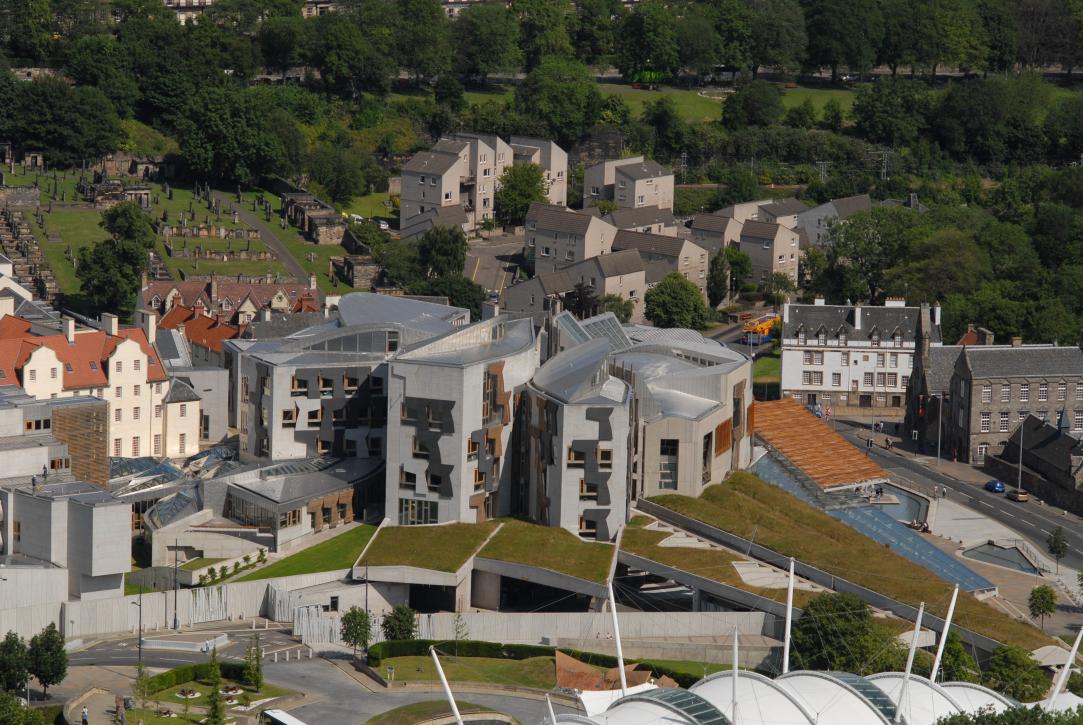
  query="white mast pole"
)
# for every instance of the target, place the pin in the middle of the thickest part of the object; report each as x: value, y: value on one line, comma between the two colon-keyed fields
x: 789, y: 623
x: 909, y: 663
x: 549, y: 705
x: 733, y: 704
x: 1062, y: 678
x: 944, y: 636
x: 447, y: 687
x: 616, y: 638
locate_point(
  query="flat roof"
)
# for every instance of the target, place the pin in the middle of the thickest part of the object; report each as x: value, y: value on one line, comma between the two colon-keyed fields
x: 823, y: 455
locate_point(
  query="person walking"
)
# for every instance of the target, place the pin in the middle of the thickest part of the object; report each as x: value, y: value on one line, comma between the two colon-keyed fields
x: 86, y: 715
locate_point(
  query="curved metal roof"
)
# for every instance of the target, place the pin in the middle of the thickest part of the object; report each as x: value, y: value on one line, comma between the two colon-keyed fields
x: 682, y: 702
x: 926, y: 701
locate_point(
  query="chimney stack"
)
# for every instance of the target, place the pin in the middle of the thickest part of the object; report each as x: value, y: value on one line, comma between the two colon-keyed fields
x: 150, y: 324
x: 7, y: 305
x: 985, y: 336
x: 819, y: 301
x: 69, y: 329
x: 936, y: 314
x: 857, y: 317
x: 786, y: 318
x: 110, y: 323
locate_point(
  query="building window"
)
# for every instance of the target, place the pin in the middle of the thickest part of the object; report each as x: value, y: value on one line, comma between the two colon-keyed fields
x: 1079, y: 391
x: 157, y: 442
x: 814, y: 377
x: 182, y: 446
x: 116, y: 448
x: 894, y: 360
x: 1024, y: 393
x: 183, y: 410
x: 1043, y: 392
x: 413, y: 512
x: 472, y: 450
x: 118, y: 392
x: 135, y: 390
x: 392, y: 341
x: 1062, y: 391
x: 667, y: 464
x: 842, y: 339
x: 135, y: 413
x: 52, y: 373
x: 879, y: 359
x: 1077, y: 420
x: 1022, y: 415
x: 586, y: 490
x: 982, y: 450
x: 906, y: 381
x: 898, y: 340
x: 605, y: 459
x: 576, y: 459
x: 868, y: 380
x: 845, y: 358
x: 435, y: 481
x: 588, y: 529
x: 821, y: 339
x: 479, y: 479
x: 985, y: 422
x: 801, y: 340
x: 33, y: 374
x: 1043, y: 415
x: 135, y: 447
x: 1005, y: 393
x: 892, y: 380
x: 116, y: 415
x: 876, y: 340
x: 836, y: 380
x: 119, y: 366
x: 157, y: 411
x: 987, y: 393
x: 881, y: 379
x: 135, y: 363
x: 1004, y: 422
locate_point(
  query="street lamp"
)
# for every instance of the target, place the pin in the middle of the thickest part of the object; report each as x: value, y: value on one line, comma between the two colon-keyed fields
x: 140, y: 605
x: 939, y: 426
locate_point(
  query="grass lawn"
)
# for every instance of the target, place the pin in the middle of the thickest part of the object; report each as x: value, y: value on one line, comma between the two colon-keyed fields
x: 550, y: 548
x: 690, y: 105
x: 767, y: 369
x: 338, y: 553
x: 749, y: 507
x: 441, y: 548
x: 199, y: 563
x: 370, y: 205
x: 537, y: 672
x: 792, y: 97
x: 313, y: 257
x: 130, y: 588
x: 150, y: 717
x: 420, y: 711
x: 168, y: 697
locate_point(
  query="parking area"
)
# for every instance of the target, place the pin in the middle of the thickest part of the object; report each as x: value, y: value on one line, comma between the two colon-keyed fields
x: 492, y: 261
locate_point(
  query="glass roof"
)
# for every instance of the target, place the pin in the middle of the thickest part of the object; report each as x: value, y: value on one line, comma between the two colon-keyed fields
x: 872, y: 694
x: 689, y: 704
x: 607, y: 326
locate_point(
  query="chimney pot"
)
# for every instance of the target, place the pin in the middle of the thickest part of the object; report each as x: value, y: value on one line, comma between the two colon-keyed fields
x: 69, y: 329
x: 110, y: 323
x: 936, y: 314
x: 1017, y: 342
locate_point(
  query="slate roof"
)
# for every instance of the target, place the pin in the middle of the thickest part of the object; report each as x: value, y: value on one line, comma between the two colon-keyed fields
x: 850, y: 205
x: 438, y: 216
x: 625, y: 261
x: 180, y: 391
x: 711, y: 222
x: 759, y: 230
x: 556, y: 283
x: 431, y: 162
x: 941, y: 365
x: 551, y: 218
x: 657, y: 270
x: 784, y: 207
x: 651, y: 243
x: 641, y: 217
x: 1027, y: 361
x: 835, y: 317
x: 643, y: 170
x: 1044, y: 440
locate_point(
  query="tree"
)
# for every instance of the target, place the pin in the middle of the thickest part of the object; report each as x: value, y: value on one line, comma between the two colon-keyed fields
x: 777, y: 286
x: 442, y: 251
x: 336, y: 168
x: 676, y: 302
x: 581, y: 301
x: 778, y: 35
x: 718, y: 280
x: 460, y: 291
x: 14, y: 712
x: 842, y: 32
x: 543, y: 30
x: 1042, y: 602
x: 594, y: 25
x: 486, y: 41
x: 740, y: 265
x: 737, y: 186
x: 29, y: 24
x: 802, y: 116
x: 356, y: 628
x: 423, y: 38
x: 253, y: 665
x: 69, y: 124
x: 110, y: 273
x: 400, y: 624
x: 957, y: 665
x: 756, y: 103
x: 339, y: 51
x: 1057, y: 544
x: 623, y: 309
x: 647, y: 43
x: 48, y: 659
x: 281, y: 41
x: 141, y: 686
x: 833, y: 116
x: 891, y: 111
x: 14, y: 663
x: 1011, y: 670
x: 216, y: 706
x: 98, y: 61
x: 699, y: 45
x: 127, y: 221
x: 670, y: 130
x: 224, y: 135
x: 520, y: 186
x: 561, y: 94
x: 837, y: 632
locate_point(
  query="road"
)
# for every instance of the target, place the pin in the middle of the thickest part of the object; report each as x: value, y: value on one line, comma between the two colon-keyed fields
x: 492, y: 261
x: 1031, y: 521
x: 125, y: 652
x: 267, y: 235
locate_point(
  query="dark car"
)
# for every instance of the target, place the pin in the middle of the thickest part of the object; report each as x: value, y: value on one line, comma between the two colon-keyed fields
x: 994, y: 486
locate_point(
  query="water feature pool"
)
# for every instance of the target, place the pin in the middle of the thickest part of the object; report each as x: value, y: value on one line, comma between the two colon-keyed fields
x: 1009, y: 557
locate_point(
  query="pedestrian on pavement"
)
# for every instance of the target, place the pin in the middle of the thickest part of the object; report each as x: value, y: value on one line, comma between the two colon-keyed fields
x: 86, y: 715
x: 936, y: 491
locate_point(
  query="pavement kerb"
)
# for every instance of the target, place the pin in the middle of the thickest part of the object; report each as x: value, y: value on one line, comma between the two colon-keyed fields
x: 72, y: 705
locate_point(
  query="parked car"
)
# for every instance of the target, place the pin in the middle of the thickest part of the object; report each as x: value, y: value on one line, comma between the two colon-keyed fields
x: 1018, y: 494
x: 994, y: 485
x: 356, y: 218
x: 384, y: 226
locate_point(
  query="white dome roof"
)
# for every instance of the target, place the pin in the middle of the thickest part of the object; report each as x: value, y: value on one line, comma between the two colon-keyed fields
x: 926, y: 702
x: 759, y: 700
x: 973, y: 697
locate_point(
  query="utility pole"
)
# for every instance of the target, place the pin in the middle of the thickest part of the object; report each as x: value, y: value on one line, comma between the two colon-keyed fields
x: 822, y: 166
x: 939, y: 427
x: 140, y: 605
x: 176, y: 619
x: 1019, y: 474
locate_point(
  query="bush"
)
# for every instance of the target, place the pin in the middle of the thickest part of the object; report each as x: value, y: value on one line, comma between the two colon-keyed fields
x: 465, y: 647
x: 187, y: 673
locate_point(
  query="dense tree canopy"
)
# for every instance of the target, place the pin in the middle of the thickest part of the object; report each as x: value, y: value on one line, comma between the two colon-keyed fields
x: 676, y: 302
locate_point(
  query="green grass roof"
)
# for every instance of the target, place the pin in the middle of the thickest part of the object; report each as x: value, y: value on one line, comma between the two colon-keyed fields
x: 551, y: 548
x: 441, y: 548
x: 339, y: 552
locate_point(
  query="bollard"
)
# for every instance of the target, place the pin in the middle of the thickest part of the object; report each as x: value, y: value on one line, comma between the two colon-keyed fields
x: 266, y: 624
x: 253, y: 624
x: 287, y: 655
x: 310, y: 653
x: 276, y: 657
x: 263, y: 651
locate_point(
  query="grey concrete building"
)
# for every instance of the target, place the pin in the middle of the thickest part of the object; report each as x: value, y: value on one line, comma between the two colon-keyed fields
x: 680, y: 255
x: 772, y: 247
x: 557, y: 237
x: 816, y: 222
x: 553, y: 161
x: 450, y: 411
x: 646, y: 219
x: 715, y: 232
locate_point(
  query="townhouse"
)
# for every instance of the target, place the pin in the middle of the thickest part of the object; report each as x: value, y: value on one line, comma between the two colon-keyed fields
x: 553, y: 161
x: 772, y: 248
x: 815, y: 223
x: 853, y: 360
x: 715, y: 232
x: 677, y: 254
x: 632, y: 183
x: 557, y: 236
x: 229, y: 299
x: 646, y: 219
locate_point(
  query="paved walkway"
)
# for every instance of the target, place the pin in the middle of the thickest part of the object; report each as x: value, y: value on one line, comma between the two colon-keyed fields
x: 268, y: 235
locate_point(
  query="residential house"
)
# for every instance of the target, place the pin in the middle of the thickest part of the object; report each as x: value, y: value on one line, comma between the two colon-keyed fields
x: 772, y: 248
x: 715, y: 232
x: 621, y: 273
x: 679, y: 255
x: 557, y: 236
x: 231, y: 300
x: 646, y: 219
x: 853, y: 360
x: 205, y: 334
x: 817, y: 221
x: 631, y: 183
x: 449, y: 433
x: 553, y: 161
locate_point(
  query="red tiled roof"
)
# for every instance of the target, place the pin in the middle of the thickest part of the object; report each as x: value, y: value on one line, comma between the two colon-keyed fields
x: 11, y: 326
x: 89, y: 347
x: 260, y: 293
x: 208, y: 332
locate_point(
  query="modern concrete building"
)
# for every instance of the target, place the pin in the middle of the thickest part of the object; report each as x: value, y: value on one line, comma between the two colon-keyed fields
x: 679, y: 255
x: 72, y: 526
x: 557, y: 237
x: 632, y: 183
x: 449, y: 421
x: 621, y: 273
x: 853, y: 360
x: 323, y: 390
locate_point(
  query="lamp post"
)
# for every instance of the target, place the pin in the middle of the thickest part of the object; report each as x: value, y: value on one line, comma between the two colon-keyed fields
x: 1019, y: 474
x: 939, y: 426
x: 140, y: 605
x: 176, y: 619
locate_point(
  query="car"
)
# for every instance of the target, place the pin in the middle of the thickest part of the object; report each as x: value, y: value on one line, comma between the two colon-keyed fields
x: 356, y: 219
x: 384, y: 226
x: 1018, y: 494
x: 994, y: 486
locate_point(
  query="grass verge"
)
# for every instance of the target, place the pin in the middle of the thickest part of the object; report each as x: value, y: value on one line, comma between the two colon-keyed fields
x: 749, y: 507
x: 767, y: 369
x: 199, y: 563
x: 441, y: 548
x: 337, y: 553
x: 421, y: 711
x: 550, y: 548
x: 168, y: 698
x: 537, y: 672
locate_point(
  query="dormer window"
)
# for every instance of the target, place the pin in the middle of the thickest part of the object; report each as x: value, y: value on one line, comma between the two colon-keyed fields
x: 821, y: 339
x: 842, y: 339
x: 801, y: 340
x: 875, y: 339
x: 897, y: 340
x: 226, y: 304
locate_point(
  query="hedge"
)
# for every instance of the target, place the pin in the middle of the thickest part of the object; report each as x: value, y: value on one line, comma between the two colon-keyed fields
x: 475, y: 648
x: 188, y: 673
